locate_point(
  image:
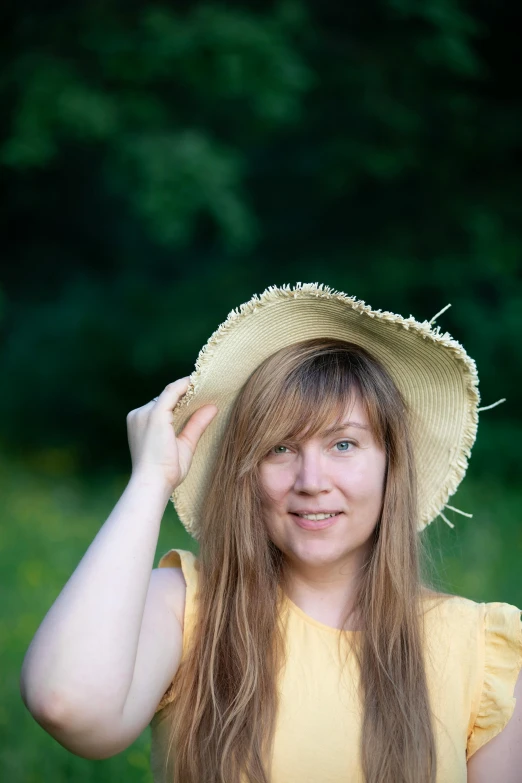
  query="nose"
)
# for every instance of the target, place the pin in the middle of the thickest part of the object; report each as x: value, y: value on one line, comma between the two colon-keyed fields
x: 311, y: 476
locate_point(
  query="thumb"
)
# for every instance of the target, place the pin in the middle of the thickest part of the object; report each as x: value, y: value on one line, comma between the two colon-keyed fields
x: 196, y: 426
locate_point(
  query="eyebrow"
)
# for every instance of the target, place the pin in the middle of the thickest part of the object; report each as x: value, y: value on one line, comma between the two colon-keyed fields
x: 345, y: 425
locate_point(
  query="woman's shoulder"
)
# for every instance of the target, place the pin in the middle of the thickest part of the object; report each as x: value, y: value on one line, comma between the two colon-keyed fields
x: 475, y: 651
x: 471, y: 621
x: 457, y: 610
x: 179, y: 558
x: 478, y: 642
x: 484, y: 658
x: 178, y: 570
x: 182, y: 586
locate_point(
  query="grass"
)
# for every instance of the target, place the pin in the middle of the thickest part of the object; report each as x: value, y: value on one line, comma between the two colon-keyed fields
x: 47, y: 523
x: 49, y: 518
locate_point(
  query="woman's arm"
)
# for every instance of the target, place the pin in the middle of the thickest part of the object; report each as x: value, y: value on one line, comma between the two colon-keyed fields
x: 111, y: 642
x: 500, y: 759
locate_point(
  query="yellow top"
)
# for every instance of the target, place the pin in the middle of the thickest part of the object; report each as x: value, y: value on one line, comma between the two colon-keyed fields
x: 474, y: 654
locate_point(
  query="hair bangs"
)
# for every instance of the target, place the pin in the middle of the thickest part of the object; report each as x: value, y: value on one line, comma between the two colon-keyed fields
x: 300, y: 402
x: 310, y: 405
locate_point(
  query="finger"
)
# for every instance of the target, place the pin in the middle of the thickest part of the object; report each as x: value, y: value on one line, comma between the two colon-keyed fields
x: 171, y: 394
x: 196, y: 426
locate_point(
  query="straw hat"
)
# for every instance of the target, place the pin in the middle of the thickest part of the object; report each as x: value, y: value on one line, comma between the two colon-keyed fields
x: 432, y: 370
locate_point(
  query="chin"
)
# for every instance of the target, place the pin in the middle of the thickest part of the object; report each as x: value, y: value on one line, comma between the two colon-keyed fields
x: 315, y: 553
x: 320, y: 552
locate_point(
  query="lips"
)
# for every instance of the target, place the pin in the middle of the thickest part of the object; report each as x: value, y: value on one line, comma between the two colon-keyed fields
x: 306, y: 512
x: 316, y: 524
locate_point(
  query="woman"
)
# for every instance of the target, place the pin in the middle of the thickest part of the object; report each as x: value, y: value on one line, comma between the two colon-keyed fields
x: 301, y: 645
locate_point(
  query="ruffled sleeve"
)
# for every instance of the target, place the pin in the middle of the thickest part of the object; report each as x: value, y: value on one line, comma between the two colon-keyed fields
x: 500, y: 646
x: 180, y: 558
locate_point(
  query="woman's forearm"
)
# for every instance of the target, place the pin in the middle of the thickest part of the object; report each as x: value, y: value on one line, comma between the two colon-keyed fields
x: 84, y: 652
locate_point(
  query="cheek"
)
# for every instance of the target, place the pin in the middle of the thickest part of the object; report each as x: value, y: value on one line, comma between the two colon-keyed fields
x: 275, y: 483
x: 366, y: 483
x: 374, y: 477
x: 378, y: 481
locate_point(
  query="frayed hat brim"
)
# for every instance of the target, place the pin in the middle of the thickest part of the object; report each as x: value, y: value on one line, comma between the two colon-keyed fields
x: 432, y: 370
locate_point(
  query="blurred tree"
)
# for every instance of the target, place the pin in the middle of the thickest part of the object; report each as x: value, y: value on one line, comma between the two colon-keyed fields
x: 160, y: 164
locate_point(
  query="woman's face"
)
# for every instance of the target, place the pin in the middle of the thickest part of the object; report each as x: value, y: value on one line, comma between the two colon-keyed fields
x: 339, y: 472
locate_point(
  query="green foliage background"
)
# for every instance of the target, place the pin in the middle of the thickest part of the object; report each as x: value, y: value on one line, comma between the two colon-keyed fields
x: 162, y: 162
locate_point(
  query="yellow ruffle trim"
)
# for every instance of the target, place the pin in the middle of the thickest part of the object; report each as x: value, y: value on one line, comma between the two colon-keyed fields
x: 502, y: 664
x: 180, y: 558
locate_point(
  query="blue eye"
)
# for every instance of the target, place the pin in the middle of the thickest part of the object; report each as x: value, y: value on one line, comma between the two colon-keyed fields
x: 344, y: 445
x: 276, y: 449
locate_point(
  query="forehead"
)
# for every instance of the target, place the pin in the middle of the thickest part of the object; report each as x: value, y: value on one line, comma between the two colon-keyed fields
x: 351, y: 415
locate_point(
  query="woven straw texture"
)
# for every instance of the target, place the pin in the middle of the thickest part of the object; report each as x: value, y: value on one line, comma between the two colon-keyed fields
x: 434, y: 373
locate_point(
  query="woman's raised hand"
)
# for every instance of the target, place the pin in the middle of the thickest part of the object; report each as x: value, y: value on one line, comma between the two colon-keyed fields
x: 155, y: 449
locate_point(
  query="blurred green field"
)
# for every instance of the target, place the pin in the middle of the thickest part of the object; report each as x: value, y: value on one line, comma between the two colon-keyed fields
x: 47, y: 523
x: 48, y: 520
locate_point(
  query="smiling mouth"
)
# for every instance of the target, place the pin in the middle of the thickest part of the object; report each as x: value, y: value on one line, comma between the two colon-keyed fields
x: 316, y: 517
x: 316, y: 521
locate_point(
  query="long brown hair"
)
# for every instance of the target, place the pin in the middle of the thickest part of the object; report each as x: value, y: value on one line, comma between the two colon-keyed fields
x: 225, y: 706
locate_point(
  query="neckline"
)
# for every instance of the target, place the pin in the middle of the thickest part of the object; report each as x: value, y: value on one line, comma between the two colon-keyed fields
x: 311, y: 620
x: 429, y: 602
